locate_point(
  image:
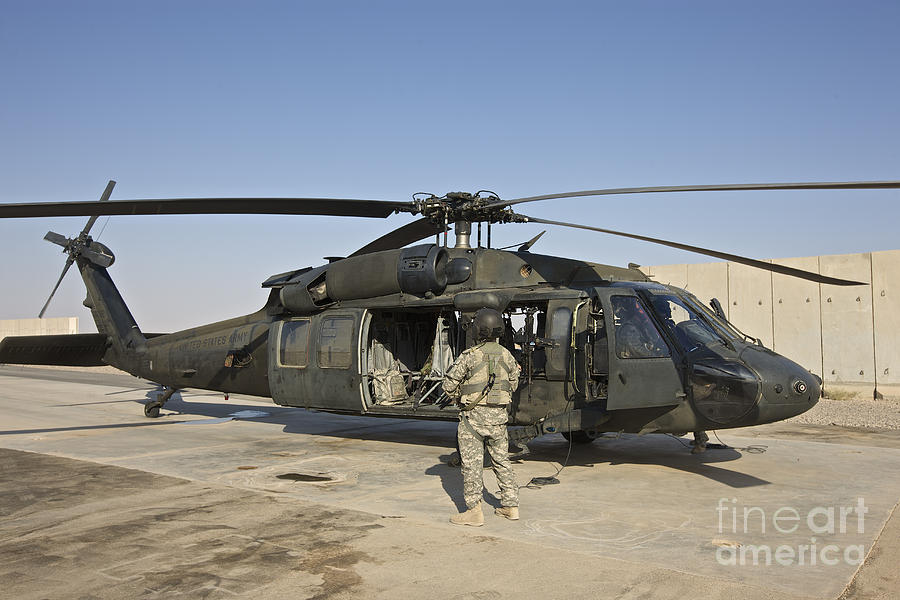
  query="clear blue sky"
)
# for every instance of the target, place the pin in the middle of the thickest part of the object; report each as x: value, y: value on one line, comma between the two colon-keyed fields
x: 383, y: 99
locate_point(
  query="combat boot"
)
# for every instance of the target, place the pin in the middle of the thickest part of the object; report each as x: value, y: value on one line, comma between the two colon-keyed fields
x: 508, y: 512
x: 473, y: 517
x: 699, y: 443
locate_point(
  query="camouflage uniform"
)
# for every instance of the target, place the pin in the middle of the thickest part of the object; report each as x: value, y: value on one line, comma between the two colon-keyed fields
x: 483, y: 416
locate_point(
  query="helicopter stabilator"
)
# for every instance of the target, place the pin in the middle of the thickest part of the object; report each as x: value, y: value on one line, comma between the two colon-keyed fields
x: 602, y: 348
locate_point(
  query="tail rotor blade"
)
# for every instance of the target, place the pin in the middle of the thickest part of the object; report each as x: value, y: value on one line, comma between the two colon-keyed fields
x: 103, y: 198
x: 59, y: 240
x: 69, y: 262
x: 98, y: 258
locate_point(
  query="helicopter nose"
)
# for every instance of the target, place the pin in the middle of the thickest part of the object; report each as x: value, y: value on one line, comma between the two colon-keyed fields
x: 787, y: 388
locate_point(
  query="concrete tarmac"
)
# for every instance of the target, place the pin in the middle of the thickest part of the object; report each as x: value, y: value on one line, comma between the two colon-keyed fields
x: 97, y: 501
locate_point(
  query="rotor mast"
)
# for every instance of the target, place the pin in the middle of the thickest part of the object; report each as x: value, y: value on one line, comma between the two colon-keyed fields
x: 463, y: 232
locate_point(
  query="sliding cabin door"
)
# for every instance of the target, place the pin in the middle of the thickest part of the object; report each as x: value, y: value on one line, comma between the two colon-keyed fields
x: 314, y: 361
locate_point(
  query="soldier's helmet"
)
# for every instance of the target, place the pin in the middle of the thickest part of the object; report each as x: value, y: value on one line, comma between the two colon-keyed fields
x: 487, y: 324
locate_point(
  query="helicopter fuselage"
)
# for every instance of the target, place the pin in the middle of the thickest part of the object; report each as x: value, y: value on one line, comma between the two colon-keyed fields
x: 601, y: 348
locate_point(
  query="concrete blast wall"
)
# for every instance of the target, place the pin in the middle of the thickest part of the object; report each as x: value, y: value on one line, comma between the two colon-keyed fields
x: 846, y: 334
x: 58, y: 325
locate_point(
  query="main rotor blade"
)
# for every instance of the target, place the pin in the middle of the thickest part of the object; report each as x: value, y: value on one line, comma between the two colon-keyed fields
x: 714, y: 253
x: 69, y: 261
x: 103, y: 198
x: 839, y: 185
x: 409, y: 233
x: 209, y: 206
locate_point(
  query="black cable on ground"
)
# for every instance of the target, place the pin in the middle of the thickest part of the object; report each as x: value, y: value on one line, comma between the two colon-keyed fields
x: 751, y: 449
x: 677, y: 439
x: 538, y: 482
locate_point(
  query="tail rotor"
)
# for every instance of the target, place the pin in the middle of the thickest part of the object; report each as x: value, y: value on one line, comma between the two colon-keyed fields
x: 82, y: 246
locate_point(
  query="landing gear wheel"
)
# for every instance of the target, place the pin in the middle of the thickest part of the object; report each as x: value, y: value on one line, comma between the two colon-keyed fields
x: 454, y: 460
x: 151, y: 409
x: 581, y: 436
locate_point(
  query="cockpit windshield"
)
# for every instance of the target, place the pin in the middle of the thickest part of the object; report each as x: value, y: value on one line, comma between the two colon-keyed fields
x: 723, y: 326
x: 685, y: 322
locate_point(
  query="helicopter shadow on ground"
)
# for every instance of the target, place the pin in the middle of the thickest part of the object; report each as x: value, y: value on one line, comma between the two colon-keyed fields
x: 655, y: 449
x: 652, y: 450
x: 297, y: 420
x: 554, y: 450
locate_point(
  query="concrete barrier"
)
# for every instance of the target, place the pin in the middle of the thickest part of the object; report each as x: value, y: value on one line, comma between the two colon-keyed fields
x: 848, y: 335
x: 56, y: 325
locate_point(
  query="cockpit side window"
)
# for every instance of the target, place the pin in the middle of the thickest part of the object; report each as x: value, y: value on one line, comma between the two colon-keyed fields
x: 636, y: 335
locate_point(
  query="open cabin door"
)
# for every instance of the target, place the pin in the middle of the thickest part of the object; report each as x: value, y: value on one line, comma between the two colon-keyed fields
x: 642, y: 372
x: 314, y: 361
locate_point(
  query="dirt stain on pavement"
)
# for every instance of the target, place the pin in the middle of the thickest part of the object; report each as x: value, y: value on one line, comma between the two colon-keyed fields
x: 79, y: 529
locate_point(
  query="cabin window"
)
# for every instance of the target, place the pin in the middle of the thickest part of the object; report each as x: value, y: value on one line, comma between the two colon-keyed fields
x: 561, y: 334
x: 294, y: 348
x: 336, y: 342
x: 636, y: 335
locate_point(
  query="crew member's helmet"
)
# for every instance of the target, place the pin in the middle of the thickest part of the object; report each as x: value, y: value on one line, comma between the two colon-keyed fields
x: 487, y: 324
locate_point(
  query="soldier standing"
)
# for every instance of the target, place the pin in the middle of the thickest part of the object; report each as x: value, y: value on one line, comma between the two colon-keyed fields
x: 483, y: 379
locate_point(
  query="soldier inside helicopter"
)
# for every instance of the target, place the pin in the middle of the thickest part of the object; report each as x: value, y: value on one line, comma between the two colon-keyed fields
x: 409, y: 352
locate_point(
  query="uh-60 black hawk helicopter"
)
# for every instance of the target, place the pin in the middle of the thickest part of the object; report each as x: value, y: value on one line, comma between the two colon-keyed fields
x: 602, y: 348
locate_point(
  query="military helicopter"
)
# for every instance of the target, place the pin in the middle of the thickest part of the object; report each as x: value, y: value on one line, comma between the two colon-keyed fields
x: 602, y: 348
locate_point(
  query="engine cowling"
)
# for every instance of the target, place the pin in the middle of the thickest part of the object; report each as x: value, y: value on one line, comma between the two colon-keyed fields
x: 419, y: 270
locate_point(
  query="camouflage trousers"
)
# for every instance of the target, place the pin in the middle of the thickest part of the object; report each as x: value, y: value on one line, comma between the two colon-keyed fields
x: 480, y: 427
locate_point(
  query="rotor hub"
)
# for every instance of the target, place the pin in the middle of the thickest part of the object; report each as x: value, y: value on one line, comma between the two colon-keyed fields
x: 464, y: 206
x: 83, y: 245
